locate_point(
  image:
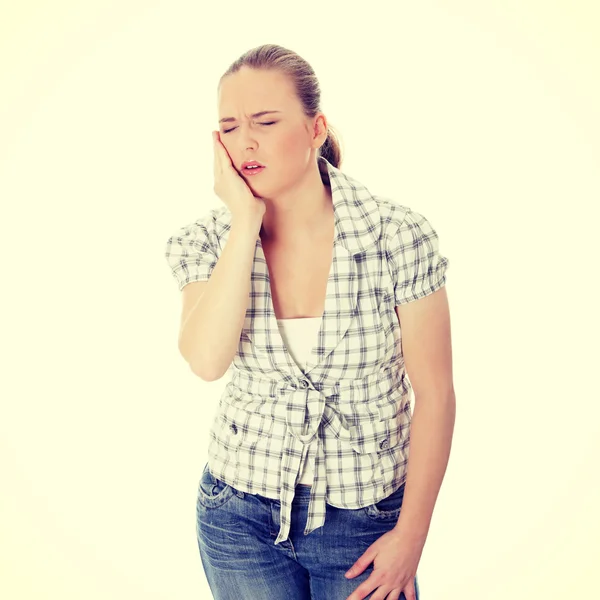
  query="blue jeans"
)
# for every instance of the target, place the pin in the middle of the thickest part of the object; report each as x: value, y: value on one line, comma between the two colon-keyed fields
x: 236, y: 531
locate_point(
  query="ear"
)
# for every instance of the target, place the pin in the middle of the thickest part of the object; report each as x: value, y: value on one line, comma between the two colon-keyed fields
x: 320, y: 130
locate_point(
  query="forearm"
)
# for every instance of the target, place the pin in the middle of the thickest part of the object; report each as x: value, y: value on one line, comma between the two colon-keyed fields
x: 431, y: 432
x: 210, y: 335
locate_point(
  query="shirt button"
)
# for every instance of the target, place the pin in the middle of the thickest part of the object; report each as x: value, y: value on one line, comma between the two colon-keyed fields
x: 384, y: 444
x: 233, y: 428
x: 303, y: 383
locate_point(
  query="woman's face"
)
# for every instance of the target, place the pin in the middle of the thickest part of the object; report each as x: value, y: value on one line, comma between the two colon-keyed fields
x: 282, y: 141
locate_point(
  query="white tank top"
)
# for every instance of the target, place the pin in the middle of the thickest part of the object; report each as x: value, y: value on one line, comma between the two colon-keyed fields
x: 299, y: 335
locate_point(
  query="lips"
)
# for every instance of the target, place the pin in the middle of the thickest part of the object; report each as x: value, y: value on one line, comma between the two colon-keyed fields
x: 252, y: 172
x: 250, y: 163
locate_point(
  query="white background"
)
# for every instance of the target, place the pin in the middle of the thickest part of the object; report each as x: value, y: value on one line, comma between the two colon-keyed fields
x: 483, y: 116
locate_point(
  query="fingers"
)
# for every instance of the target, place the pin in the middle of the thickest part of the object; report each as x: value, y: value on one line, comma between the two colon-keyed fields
x: 217, y: 164
x: 222, y: 158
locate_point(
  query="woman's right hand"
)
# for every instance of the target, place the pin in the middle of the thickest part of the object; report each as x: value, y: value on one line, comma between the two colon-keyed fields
x: 231, y: 188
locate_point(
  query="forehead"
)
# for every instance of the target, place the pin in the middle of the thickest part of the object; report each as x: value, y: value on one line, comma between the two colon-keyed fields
x: 249, y: 91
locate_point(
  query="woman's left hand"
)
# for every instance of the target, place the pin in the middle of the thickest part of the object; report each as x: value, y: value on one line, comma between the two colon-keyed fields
x: 395, y: 559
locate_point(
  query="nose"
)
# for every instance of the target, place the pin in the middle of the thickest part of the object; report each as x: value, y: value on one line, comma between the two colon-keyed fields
x: 246, y: 138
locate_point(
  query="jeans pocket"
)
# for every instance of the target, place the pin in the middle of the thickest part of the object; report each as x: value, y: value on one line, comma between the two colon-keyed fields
x: 387, y: 509
x: 212, y: 492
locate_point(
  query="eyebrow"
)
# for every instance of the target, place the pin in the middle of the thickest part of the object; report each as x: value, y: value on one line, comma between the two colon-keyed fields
x: 258, y: 114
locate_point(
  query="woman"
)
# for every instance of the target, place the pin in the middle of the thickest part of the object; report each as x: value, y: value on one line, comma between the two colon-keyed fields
x: 318, y: 297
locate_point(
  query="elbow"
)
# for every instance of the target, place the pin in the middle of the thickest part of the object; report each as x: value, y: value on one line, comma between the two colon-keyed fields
x: 195, y: 365
x: 207, y: 376
x: 199, y: 368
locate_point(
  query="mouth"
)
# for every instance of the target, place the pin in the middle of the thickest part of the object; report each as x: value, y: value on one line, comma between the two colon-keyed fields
x: 250, y: 171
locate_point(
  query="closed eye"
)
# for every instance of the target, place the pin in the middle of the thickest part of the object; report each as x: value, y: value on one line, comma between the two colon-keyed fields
x: 270, y: 123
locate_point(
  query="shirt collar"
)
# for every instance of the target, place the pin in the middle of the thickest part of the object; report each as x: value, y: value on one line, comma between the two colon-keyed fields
x: 357, y: 218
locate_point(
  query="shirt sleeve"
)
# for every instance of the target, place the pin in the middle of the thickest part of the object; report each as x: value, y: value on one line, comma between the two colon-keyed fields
x: 417, y: 267
x: 191, y: 252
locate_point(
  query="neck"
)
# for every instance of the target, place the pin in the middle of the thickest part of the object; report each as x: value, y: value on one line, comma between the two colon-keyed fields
x: 302, y: 211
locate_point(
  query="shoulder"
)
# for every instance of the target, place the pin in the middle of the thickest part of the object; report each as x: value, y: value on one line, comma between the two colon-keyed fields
x: 207, y: 228
x: 402, y: 220
x: 393, y: 215
x: 407, y: 236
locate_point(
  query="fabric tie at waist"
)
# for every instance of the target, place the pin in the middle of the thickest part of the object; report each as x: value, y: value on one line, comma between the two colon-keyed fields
x: 299, y: 397
x: 299, y: 402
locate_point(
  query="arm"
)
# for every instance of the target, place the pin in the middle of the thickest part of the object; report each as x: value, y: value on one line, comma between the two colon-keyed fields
x: 213, y: 312
x: 426, y: 346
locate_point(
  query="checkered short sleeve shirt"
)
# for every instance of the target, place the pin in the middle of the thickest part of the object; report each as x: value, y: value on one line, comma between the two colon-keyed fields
x: 348, y: 411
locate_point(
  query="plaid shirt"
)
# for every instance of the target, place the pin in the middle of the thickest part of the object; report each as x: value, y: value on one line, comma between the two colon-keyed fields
x: 348, y: 412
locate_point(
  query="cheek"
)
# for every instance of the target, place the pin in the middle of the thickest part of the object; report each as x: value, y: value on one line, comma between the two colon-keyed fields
x: 290, y: 143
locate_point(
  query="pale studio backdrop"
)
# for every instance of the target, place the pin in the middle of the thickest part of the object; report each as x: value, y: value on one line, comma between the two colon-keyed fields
x: 483, y: 116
